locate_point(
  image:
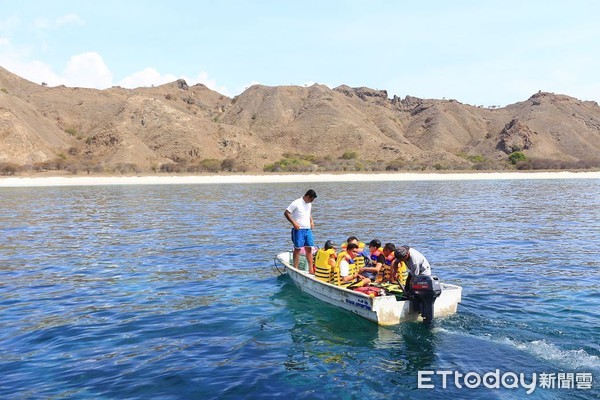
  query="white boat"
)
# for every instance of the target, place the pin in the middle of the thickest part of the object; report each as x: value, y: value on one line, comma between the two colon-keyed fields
x: 384, y: 310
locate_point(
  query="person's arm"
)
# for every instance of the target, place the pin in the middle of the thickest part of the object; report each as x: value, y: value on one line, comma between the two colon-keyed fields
x: 394, y: 272
x: 377, y: 267
x: 288, y: 215
x: 332, y: 262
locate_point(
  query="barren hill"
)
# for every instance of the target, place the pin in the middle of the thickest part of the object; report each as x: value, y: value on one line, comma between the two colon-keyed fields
x: 176, y: 127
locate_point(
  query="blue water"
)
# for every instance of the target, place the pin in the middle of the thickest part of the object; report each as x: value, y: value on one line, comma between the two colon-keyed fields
x: 169, y: 292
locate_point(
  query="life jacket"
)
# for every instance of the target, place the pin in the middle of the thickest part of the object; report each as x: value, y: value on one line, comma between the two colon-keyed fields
x: 385, y: 273
x: 375, y: 255
x: 402, y: 273
x: 352, y: 270
x: 323, y: 270
x: 359, y: 260
x: 361, y: 246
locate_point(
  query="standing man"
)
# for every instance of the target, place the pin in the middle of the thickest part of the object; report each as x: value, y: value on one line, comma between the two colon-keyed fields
x: 415, y: 261
x: 299, y: 213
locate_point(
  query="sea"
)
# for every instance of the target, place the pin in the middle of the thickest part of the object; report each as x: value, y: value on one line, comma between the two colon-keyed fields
x: 171, y: 292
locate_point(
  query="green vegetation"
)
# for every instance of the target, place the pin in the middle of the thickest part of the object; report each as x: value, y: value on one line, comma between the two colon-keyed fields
x: 8, y: 168
x: 516, y: 157
x: 74, y: 162
x: 349, y: 155
x: 289, y: 165
x: 4, y: 90
x: 395, y: 165
x: 472, y: 158
x: 211, y: 165
x: 294, y: 162
x: 71, y: 131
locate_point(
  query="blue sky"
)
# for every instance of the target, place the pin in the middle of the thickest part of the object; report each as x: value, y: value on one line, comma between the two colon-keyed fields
x: 477, y: 52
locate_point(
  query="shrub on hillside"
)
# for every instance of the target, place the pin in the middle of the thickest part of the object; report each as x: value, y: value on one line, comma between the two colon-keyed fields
x: 57, y: 164
x: 211, y: 165
x: 516, y: 157
x: 8, y: 169
x: 394, y: 165
x: 126, y: 168
x: 289, y: 165
x: 349, y: 155
x: 550, y: 164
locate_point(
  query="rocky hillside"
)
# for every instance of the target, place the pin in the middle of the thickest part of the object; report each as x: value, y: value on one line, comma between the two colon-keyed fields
x: 176, y: 127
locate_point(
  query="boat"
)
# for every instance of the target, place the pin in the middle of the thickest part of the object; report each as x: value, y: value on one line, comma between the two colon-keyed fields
x: 429, y: 298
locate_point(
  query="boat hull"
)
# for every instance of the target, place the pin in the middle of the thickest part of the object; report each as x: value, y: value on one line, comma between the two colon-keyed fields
x: 383, y: 310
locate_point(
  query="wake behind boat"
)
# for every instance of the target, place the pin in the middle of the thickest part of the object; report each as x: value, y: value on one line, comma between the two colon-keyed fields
x: 430, y: 298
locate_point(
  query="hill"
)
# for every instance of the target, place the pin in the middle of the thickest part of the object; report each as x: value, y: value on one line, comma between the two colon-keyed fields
x: 176, y: 127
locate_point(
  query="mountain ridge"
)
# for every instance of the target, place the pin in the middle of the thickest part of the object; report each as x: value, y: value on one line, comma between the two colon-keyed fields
x: 177, y: 127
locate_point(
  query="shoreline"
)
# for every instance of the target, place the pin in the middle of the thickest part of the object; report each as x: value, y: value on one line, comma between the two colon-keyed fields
x: 37, y: 181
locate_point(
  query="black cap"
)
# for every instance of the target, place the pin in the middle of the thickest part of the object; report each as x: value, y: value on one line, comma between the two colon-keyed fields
x: 375, y: 243
x: 328, y: 245
x: 311, y: 193
x: 401, y: 252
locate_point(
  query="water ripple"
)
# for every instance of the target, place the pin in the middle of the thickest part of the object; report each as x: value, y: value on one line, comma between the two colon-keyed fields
x: 170, y: 291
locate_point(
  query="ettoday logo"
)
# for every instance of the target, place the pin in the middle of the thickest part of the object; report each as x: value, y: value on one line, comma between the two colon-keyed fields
x: 508, y: 380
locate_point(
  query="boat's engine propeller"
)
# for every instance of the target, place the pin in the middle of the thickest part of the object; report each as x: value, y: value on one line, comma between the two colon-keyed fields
x: 423, y: 291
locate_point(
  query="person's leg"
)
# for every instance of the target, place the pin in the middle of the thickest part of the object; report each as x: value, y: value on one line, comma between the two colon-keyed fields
x: 309, y: 258
x: 309, y: 243
x: 296, y: 252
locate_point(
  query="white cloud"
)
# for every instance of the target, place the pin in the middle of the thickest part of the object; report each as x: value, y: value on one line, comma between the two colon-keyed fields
x: 88, y: 70
x: 9, y: 24
x: 146, y: 77
x: 246, y: 86
x: 203, y: 78
x: 12, y: 59
x: 151, y: 77
x: 67, y: 19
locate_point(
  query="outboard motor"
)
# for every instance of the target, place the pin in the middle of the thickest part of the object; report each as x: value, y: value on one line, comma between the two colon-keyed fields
x: 424, y: 289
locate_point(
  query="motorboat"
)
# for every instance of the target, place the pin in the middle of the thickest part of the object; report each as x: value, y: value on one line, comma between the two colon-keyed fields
x: 428, y: 298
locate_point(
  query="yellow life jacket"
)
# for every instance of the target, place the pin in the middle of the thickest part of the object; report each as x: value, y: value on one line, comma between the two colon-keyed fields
x: 323, y: 270
x: 352, y: 270
x: 361, y: 246
x: 359, y: 260
x: 385, y: 273
x: 402, y: 273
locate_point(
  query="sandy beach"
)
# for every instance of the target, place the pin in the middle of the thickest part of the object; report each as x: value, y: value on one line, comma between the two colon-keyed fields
x: 276, y: 178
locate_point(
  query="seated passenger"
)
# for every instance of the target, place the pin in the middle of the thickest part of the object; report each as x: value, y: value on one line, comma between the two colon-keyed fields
x: 376, y: 261
x: 347, y: 272
x: 361, y: 258
x: 325, y: 262
x: 385, y: 273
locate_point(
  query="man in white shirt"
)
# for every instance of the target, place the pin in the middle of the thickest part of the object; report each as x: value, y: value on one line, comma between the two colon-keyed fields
x: 299, y: 213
